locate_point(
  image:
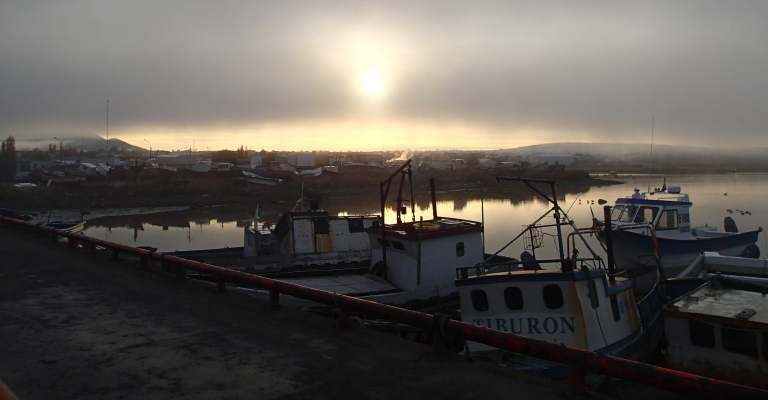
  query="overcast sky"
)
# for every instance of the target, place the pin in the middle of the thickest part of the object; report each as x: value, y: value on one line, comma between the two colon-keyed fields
x: 370, y: 75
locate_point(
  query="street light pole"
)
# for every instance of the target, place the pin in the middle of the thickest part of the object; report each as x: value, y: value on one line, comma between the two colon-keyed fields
x: 150, y: 150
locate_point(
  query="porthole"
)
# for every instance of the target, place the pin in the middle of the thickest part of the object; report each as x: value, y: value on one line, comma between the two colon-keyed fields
x: 479, y: 300
x: 553, y: 296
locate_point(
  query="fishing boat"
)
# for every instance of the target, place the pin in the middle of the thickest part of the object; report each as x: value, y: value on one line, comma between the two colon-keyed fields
x: 261, y: 180
x: 720, y: 328
x: 662, y: 218
x: 412, y: 263
x: 570, y: 300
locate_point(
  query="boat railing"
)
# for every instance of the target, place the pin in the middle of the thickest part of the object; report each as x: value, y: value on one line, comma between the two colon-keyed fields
x: 528, y: 265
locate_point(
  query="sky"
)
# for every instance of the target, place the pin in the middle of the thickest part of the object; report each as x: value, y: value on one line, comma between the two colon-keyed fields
x: 373, y: 75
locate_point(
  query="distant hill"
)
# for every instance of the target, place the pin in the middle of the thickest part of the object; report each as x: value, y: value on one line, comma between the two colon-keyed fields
x: 637, y: 149
x: 91, y: 143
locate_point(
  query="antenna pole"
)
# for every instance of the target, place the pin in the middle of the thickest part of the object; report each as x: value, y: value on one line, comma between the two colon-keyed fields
x: 108, y: 131
x: 650, y: 160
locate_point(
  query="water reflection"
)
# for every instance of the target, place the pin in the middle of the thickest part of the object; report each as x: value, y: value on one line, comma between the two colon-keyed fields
x: 505, y: 213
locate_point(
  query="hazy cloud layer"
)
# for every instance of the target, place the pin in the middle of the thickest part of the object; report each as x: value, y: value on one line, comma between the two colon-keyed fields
x: 593, y: 69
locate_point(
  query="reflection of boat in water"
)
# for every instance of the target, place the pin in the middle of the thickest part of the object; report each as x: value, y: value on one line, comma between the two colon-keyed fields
x: 663, y: 217
x: 582, y: 303
x: 261, y: 180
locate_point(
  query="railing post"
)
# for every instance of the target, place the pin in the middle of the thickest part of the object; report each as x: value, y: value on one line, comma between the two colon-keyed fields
x: 274, y: 298
x: 221, y: 284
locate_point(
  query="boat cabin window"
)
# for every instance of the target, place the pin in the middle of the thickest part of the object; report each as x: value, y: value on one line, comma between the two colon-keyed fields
x: 592, y: 291
x: 668, y: 220
x: 514, y: 298
x: 739, y: 341
x: 479, y: 300
x: 322, y: 227
x: 355, y: 225
x: 616, y: 212
x: 647, y: 214
x: 628, y: 214
x: 460, y: 249
x: 553, y: 296
x: 380, y: 242
x: 615, y: 308
x: 397, y: 245
x: 702, y: 334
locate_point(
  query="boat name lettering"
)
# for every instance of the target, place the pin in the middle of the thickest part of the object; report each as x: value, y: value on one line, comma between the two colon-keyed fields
x: 529, y: 326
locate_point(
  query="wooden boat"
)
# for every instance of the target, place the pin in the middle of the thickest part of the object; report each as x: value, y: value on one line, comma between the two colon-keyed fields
x: 73, y: 227
x: 662, y: 218
x: 579, y: 302
x: 261, y: 180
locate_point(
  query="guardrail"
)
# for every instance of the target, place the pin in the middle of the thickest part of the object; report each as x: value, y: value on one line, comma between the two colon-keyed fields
x: 578, y: 361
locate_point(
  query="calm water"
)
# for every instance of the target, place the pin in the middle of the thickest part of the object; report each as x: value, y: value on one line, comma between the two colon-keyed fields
x: 504, y: 219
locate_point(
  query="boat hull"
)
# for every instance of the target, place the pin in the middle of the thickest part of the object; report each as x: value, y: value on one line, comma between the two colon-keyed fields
x: 67, y: 226
x: 633, y: 250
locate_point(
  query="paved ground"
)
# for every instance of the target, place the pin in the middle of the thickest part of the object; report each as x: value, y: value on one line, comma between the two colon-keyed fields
x: 78, y: 326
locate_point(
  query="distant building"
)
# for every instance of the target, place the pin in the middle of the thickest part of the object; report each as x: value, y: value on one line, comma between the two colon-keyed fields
x: 486, y: 163
x: 552, y: 159
x: 257, y: 161
x: 301, y: 160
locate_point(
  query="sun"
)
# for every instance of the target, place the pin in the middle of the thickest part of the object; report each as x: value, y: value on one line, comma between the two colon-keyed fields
x: 372, y: 86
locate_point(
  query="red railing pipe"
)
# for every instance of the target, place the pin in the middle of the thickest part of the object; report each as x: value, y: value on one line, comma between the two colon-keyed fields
x: 676, y: 381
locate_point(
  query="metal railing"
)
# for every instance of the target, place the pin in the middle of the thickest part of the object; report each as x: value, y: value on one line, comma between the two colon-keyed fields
x: 578, y: 361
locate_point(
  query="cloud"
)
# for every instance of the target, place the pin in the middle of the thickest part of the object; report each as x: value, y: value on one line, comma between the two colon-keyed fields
x: 583, y: 70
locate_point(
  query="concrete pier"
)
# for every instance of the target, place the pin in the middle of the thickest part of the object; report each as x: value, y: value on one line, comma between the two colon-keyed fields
x: 76, y: 325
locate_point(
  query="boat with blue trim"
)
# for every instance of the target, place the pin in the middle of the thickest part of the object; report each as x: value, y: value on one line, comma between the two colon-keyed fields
x: 577, y: 301
x: 662, y: 218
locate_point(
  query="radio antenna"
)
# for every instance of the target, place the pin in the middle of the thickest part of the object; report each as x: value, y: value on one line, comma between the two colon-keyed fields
x: 650, y: 160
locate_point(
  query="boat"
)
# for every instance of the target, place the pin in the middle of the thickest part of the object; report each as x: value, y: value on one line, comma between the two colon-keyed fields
x: 59, y: 177
x: 261, y: 180
x: 662, y: 218
x: 571, y: 300
x: 720, y: 328
x: 23, y: 187
x: 412, y: 264
x: 7, y: 212
x: 310, y: 173
x: 73, y: 227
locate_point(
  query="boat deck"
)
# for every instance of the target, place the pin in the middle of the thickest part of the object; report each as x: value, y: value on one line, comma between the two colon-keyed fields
x: 345, y: 284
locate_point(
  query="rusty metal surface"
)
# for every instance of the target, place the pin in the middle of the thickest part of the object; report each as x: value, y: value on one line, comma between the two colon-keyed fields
x: 664, y: 378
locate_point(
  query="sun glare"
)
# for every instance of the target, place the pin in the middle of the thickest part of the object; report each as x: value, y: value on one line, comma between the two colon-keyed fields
x: 372, y: 86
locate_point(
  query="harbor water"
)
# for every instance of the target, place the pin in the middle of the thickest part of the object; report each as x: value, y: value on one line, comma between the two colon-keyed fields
x: 711, y: 195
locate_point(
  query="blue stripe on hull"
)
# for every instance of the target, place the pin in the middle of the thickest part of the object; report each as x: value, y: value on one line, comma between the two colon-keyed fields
x: 673, y: 246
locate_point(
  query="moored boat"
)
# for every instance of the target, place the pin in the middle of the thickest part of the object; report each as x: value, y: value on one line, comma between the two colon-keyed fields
x: 578, y: 301
x: 261, y: 180
x: 75, y: 226
x: 662, y: 218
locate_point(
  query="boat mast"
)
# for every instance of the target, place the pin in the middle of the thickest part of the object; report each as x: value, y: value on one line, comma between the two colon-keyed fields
x: 108, y: 155
x: 650, y: 161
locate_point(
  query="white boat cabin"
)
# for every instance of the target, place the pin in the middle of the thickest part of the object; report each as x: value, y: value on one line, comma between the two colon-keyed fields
x: 88, y: 169
x: 312, y: 238
x: 579, y: 308
x: 428, y: 257
x: 668, y: 212
x: 720, y: 330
